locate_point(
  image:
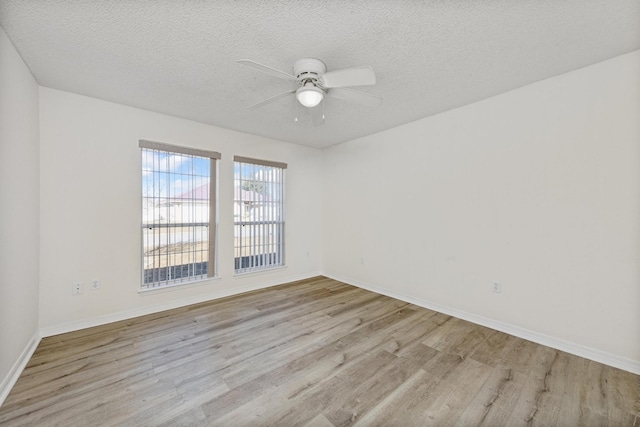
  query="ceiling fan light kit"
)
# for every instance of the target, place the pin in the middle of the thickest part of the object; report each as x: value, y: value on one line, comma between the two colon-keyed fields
x: 309, y: 95
x: 315, y: 82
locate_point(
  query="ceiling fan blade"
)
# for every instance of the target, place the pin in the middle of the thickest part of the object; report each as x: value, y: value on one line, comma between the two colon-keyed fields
x: 266, y: 69
x: 317, y: 114
x: 360, y: 76
x: 270, y: 100
x: 355, y: 96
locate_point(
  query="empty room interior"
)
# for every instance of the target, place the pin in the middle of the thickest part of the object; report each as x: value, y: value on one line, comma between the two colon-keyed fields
x: 320, y: 213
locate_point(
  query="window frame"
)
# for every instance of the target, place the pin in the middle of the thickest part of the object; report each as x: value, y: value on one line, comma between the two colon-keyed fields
x: 212, y: 245
x: 276, y: 219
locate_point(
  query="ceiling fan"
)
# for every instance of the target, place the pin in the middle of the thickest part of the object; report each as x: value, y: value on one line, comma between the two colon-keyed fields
x: 314, y: 82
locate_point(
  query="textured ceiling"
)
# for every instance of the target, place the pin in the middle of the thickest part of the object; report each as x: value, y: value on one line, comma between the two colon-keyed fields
x: 178, y: 57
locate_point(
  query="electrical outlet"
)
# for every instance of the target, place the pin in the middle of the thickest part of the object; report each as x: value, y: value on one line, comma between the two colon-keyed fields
x: 497, y: 288
x: 76, y: 289
x: 95, y: 284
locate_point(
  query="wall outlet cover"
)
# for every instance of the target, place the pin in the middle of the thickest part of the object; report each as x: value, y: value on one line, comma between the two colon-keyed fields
x: 76, y: 289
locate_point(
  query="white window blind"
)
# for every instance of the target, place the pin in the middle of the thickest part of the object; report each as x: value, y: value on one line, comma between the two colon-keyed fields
x: 259, y: 214
x: 178, y: 214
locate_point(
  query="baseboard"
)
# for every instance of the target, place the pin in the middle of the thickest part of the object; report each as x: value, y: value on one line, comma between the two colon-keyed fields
x: 182, y: 302
x: 14, y: 373
x: 553, y: 342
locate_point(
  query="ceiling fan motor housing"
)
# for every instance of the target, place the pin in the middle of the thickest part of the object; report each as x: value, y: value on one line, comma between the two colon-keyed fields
x: 308, y: 69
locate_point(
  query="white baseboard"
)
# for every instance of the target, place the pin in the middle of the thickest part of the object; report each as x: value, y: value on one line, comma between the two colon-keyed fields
x: 14, y: 373
x: 142, y: 311
x: 616, y: 361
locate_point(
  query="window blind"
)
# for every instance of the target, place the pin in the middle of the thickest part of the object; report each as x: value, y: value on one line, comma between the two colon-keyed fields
x: 259, y: 214
x: 178, y: 214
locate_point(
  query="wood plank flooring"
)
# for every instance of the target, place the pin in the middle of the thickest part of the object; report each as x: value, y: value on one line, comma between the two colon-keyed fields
x: 312, y: 353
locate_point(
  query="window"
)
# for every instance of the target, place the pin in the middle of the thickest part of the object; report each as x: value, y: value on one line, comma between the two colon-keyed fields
x: 179, y: 220
x: 259, y: 214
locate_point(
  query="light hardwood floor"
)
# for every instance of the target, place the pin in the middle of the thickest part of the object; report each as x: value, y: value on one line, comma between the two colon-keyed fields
x: 312, y: 353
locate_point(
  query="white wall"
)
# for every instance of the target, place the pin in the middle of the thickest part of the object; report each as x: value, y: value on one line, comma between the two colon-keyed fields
x: 19, y: 212
x: 90, y: 208
x: 538, y: 189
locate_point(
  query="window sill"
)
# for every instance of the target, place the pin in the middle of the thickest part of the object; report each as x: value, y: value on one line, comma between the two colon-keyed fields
x: 266, y: 270
x: 179, y: 285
